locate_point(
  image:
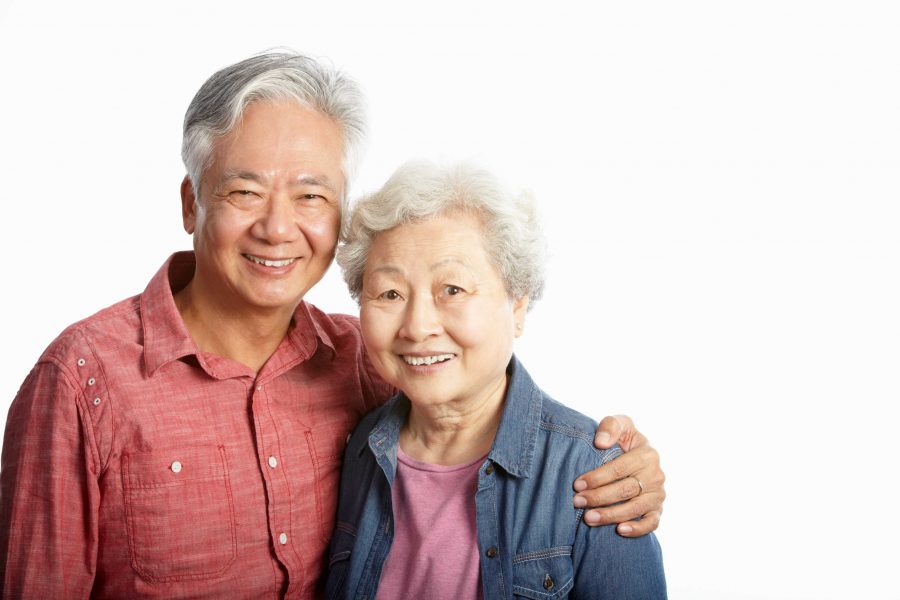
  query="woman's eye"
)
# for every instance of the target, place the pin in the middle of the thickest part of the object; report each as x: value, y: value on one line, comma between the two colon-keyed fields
x: 390, y: 295
x: 453, y: 290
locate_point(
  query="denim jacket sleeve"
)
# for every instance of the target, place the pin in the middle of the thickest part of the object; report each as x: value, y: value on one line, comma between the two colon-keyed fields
x: 608, y: 565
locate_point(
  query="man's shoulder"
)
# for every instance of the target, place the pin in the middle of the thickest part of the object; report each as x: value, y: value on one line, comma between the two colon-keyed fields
x: 336, y: 320
x: 342, y: 331
x: 112, y: 325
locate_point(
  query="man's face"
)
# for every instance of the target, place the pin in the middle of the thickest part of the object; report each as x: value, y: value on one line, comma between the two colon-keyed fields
x: 266, y: 222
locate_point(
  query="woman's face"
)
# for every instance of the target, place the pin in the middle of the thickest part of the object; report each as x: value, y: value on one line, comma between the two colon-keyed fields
x: 435, y: 315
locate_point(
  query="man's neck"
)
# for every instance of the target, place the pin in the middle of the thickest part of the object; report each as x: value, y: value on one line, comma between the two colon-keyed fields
x: 249, y: 339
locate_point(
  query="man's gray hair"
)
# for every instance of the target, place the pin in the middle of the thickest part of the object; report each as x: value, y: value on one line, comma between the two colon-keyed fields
x: 419, y: 190
x: 275, y: 76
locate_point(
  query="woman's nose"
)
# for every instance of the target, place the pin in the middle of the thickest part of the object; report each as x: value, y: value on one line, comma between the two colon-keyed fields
x: 421, y: 319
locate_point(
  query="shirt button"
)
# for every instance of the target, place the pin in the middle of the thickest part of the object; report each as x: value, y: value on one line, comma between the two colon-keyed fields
x: 282, y: 538
x: 490, y: 469
x: 492, y: 552
x: 273, y: 462
x: 176, y: 467
x: 91, y: 381
x: 80, y: 362
x: 96, y: 401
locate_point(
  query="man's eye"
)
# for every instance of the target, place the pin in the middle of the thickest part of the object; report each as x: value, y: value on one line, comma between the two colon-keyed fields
x: 453, y: 290
x: 312, y: 198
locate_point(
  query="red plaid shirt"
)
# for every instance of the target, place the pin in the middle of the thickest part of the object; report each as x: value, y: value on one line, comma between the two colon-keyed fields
x: 136, y: 466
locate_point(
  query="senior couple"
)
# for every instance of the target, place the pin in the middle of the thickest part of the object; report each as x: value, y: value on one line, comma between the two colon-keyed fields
x: 188, y: 441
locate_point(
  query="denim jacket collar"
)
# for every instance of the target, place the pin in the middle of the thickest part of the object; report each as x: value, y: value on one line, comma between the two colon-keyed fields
x: 516, y: 437
x: 513, y: 447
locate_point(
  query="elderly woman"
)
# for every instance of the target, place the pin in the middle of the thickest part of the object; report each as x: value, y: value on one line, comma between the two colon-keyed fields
x: 460, y: 486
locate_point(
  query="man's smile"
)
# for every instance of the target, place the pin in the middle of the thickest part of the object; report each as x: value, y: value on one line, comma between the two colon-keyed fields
x: 267, y: 262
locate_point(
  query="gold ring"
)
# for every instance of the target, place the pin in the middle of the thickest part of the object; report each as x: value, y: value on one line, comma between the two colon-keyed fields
x: 639, y: 484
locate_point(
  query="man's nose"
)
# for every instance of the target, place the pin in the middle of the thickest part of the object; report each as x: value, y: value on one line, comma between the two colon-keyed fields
x: 277, y: 223
x: 421, y: 319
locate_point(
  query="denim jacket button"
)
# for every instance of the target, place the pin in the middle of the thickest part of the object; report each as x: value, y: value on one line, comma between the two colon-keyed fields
x: 548, y: 582
x: 492, y: 552
x: 490, y: 469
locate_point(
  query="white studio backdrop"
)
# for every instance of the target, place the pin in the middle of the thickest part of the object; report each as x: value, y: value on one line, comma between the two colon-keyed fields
x: 721, y: 189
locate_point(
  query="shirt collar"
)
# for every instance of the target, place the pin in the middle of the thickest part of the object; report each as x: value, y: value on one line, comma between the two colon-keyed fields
x: 384, y: 439
x: 166, y: 337
x: 517, y: 433
x: 514, y: 443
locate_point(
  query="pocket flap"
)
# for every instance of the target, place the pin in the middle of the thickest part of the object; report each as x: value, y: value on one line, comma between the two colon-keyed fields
x: 192, y: 463
x: 544, y: 575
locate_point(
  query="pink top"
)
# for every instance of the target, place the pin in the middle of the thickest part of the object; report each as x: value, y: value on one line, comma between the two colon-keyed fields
x: 435, y: 549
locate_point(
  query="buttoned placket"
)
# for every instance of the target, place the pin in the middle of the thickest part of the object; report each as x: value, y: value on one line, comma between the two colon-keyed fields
x: 494, y: 576
x: 277, y: 489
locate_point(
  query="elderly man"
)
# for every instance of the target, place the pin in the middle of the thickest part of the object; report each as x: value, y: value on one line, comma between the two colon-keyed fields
x: 187, y: 442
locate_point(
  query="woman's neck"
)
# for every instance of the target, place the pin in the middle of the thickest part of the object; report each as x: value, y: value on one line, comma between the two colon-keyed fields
x: 455, y: 432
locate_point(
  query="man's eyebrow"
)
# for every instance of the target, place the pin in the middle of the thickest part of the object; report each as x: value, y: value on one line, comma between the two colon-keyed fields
x: 230, y: 174
x: 317, y: 181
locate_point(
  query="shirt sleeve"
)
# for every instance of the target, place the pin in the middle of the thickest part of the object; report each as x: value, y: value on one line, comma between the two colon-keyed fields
x: 49, y: 495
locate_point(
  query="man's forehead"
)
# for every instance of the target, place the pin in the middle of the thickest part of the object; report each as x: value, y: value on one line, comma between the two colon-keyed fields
x: 284, y: 140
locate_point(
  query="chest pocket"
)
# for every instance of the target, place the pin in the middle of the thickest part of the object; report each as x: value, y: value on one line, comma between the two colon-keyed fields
x: 180, y: 513
x: 544, y: 575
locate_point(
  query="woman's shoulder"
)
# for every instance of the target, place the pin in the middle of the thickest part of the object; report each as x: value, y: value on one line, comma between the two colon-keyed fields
x: 565, y: 425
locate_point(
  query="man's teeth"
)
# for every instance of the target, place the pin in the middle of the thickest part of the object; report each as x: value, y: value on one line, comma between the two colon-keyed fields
x: 426, y: 360
x: 270, y: 263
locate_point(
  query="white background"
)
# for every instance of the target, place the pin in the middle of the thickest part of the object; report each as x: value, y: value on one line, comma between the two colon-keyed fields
x: 720, y: 187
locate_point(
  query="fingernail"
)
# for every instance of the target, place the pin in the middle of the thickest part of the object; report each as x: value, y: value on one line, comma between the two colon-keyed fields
x: 580, y: 485
x: 580, y: 501
x: 591, y: 518
x: 603, y: 438
x: 625, y: 529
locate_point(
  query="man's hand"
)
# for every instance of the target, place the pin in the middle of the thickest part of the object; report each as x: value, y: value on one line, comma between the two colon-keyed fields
x: 634, y: 479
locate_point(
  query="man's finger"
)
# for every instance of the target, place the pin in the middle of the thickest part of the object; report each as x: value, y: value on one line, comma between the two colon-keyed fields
x: 608, y: 433
x: 638, y: 528
x: 618, y: 491
x: 628, y: 464
x: 627, y: 511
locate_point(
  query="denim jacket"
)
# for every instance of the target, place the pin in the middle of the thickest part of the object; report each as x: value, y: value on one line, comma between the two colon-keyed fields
x: 532, y: 541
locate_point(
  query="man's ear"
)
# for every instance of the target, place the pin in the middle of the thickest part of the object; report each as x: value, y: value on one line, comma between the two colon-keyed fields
x: 520, y: 307
x: 188, y: 205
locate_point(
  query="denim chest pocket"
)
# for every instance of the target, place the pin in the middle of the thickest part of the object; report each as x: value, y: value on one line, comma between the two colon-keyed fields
x: 179, y: 513
x: 544, y: 575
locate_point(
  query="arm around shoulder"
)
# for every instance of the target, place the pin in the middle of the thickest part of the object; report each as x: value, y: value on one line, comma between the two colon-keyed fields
x: 49, y: 496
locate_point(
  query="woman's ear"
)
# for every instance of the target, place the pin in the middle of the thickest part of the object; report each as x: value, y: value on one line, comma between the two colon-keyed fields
x: 520, y: 307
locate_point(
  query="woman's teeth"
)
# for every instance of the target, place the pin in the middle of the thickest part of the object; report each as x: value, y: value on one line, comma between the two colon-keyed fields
x: 426, y: 360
